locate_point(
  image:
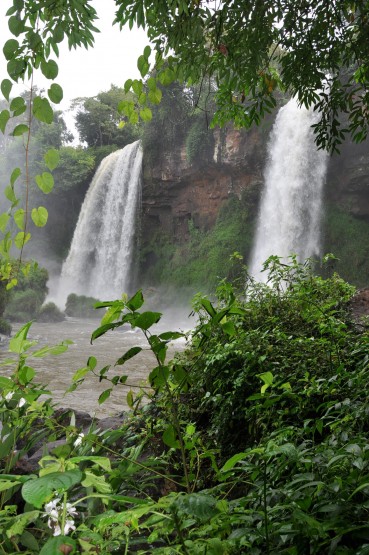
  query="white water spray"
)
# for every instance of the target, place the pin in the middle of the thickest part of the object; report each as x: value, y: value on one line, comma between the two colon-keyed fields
x: 290, y: 211
x: 100, y: 260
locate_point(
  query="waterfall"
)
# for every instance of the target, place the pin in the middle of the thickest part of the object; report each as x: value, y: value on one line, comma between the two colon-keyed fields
x: 101, y: 256
x: 290, y: 210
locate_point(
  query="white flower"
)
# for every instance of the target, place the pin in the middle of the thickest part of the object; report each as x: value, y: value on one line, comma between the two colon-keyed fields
x: 79, y: 439
x: 21, y: 402
x: 71, y: 510
x: 69, y: 526
x: 9, y: 395
x: 54, y: 512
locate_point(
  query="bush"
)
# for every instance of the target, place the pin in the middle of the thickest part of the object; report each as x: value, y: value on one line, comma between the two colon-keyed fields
x: 80, y: 306
x: 5, y: 327
x: 49, y: 312
x: 25, y: 300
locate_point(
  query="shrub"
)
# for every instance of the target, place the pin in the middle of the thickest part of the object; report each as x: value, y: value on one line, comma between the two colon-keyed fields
x: 5, y: 327
x: 81, y: 306
x: 49, y: 312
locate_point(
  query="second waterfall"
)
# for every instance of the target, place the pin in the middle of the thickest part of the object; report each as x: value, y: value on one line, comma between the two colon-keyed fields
x: 101, y: 256
x: 290, y: 211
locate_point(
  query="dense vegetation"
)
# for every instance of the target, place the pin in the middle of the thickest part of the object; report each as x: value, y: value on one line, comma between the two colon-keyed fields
x: 254, y: 439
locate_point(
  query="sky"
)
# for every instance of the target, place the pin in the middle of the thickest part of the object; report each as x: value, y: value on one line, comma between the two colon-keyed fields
x: 86, y: 72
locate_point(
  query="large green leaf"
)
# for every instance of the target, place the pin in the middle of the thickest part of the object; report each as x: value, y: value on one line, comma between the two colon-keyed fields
x: 16, y: 25
x: 145, y: 320
x: 45, y: 182
x: 6, y: 87
x: 40, y: 490
x: 49, y: 69
x: 20, y: 129
x: 9, y: 48
x: 42, y: 110
x: 21, y: 239
x: 4, y: 118
x: 136, y: 301
x: 54, y: 546
x: 129, y: 354
x: 55, y: 93
x: 39, y: 216
x: 52, y: 158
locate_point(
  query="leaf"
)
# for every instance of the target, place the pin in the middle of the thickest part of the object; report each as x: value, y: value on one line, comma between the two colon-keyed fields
x: 6, y: 87
x: 53, y: 350
x: 171, y: 335
x: 16, y: 25
x: 130, y: 399
x: 18, y: 106
x: 54, y: 546
x: 155, y: 96
x: 143, y: 66
x: 128, y: 355
x: 19, y: 218
x: 4, y: 118
x: 21, y: 239
x: 198, y: 505
x: 16, y: 68
x: 14, y: 176
x: 205, y: 303
x: 98, y: 483
x: 49, y: 69
x: 170, y: 437
x: 146, y: 320
x: 42, y: 110
x: 19, y: 343
x: 103, y: 462
x: 40, y: 490
x: 104, y: 396
x: 146, y: 114
x: 4, y: 219
x: 39, y: 216
x: 52, y: 158
x: 147, y: 52
x: 136, y: 301
x: 55, y: 93
x: 45, y: 182
x: 103, y: 329
x: 127, y: 85
x: 10, y: 47
x: 20, y: 130
x: 233, y: 461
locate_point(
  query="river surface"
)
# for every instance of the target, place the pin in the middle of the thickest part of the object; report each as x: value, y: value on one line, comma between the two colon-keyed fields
x: 56, y: 371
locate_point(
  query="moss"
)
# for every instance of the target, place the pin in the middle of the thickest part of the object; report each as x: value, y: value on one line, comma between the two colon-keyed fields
x: 205, y: 257
x: 347, y: 237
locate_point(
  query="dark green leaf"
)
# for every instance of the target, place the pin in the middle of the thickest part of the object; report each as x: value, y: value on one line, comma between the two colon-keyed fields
x: 16, y: 68
x: 170, y: 437
x: 128, y: 355
x: 49, y: 69
x: 9, y: 48
x: 103, y: 329
x: 55, y: 93
x: 14, y: 176
x: 16, y: 25
x: 6, y: 87
x: 136, y: 301
x: 4, y: 118
x: 104, y: 396
x: 147, y: 319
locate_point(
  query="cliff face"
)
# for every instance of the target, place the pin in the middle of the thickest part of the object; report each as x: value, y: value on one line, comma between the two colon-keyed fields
x: 176, y: 191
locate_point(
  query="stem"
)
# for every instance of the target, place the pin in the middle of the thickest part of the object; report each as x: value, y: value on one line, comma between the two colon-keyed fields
x: 64, y: 514
x: 265, y: 508
x: 27, y: 176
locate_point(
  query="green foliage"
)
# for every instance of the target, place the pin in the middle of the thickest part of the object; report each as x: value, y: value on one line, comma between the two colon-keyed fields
x: 49, y: 312
x: 182, y: 265
x: 346, y: 236
x: 5, y: 327
x: 98, y: 120
x: 27, y: 297
x: 81, y: 306
x: 198, y: 142
x: 256, y: 49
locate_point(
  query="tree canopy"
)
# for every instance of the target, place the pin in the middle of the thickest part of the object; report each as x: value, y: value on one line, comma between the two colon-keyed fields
x: 251, y: 50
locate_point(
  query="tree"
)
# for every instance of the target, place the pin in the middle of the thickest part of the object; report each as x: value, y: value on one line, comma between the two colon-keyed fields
x: 314, y: 49
x: 98, y: 122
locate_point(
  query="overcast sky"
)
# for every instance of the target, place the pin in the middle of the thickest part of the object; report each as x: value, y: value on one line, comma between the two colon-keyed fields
x: 86, y: 72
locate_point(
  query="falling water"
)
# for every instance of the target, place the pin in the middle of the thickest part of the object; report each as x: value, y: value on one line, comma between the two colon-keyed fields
x: 100, y: 260
x: 289, y: 218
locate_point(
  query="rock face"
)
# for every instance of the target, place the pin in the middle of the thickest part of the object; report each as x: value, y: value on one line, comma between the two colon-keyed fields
x: 176, y: 191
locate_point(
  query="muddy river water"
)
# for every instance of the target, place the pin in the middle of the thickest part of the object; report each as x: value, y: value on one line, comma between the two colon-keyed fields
x: 56, y: 371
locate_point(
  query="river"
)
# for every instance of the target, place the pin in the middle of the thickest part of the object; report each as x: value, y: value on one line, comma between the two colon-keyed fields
x: 56, y: 371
